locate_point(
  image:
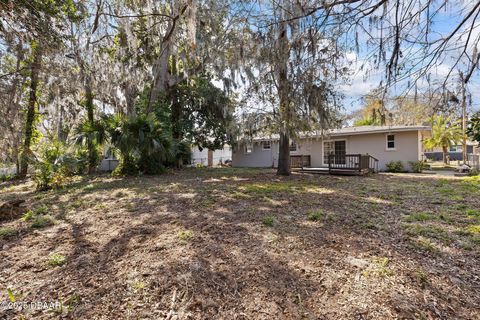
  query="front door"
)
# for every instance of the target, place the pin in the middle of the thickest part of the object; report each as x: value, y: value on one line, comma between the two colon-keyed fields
x: 337, y: 148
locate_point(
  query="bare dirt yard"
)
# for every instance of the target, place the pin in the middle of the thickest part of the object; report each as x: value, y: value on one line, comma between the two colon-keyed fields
x: 244, y: 244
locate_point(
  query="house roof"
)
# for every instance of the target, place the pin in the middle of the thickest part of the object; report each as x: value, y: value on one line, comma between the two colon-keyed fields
x: 348, y: 131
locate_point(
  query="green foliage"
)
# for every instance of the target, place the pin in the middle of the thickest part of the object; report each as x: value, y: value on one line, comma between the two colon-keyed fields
x: 315, y: 215
x: 89, y: 137
x: 42, y: 221
x: 420, y: 216
x: 185, y: 235
x: 368, y: 121
x: 30, y: 214
x: 418, y: 166
x: 8, y: 177
x: 7, y: 232
x: 53, y: 165
x: 473, y: 129
x: 268, y: 221
x: 445, y: 133
x: 194, y: 110
x: 56, y: 259
x: 144, y: 145
x: 38, y: 217
x: 395, y: 166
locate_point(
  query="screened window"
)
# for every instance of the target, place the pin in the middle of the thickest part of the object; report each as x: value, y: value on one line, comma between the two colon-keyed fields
x: 390, y: 142
x: 266, y: 145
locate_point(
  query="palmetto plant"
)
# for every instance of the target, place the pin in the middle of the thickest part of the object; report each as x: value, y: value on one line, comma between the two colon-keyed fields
x: 91, y: 136
x: 142, y: 144
x: 445, y: 133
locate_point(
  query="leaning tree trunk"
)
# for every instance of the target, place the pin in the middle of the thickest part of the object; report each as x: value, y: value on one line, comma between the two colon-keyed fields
x: 284, y: 109
x: 30, y: 117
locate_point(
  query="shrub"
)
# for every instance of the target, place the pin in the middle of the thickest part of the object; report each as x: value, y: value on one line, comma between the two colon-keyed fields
x: 53, y: 165
x: 395, y: 166
x: 418, y: 166
x: 144, y: 145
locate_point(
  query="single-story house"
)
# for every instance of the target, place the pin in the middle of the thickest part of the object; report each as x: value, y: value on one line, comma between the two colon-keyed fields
x: 385, y: 143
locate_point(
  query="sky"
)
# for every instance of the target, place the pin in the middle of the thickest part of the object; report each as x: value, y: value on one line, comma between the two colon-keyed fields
x: 362, y: 81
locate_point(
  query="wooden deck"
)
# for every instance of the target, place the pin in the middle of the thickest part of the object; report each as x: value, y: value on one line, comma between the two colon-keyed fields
x: 349, y: 164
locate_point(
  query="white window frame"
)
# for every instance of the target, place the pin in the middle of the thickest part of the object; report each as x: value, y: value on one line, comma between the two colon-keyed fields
x: 269, y: 145
x: 394, y: 142
x: 246, y: 148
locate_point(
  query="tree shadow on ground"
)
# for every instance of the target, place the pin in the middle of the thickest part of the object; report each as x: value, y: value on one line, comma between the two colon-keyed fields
x: 196, y: 247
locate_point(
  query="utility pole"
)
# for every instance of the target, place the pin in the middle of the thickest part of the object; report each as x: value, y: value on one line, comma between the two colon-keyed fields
x: 464, y: 119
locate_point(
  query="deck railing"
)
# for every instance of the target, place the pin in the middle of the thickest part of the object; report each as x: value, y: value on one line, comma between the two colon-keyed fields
x: 352, y: 162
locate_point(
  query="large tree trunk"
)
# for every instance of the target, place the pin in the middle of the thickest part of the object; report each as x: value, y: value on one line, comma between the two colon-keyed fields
x: 284, y: 155
x: 30, y: 117
x: 284, y: 95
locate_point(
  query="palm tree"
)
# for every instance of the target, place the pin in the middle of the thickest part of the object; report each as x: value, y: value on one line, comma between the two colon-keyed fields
x: 445, y: 133
x: 91, y: 136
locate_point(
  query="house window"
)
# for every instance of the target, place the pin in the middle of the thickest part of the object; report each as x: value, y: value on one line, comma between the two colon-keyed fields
x: 293, y: 146
x: 266, y: 145
x: 456, y: 149
x: 248, y: 148
x: 390, y: 142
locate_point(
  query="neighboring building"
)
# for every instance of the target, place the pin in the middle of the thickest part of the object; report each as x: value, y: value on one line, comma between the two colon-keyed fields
x: 455, y: 153
x: 211, y: 157
x: 386, y: 143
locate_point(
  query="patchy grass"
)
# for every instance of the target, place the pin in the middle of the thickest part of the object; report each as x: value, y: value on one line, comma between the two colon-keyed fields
x: 38, y: 222
x: 429, y: 231
x: 474, y: 229
x: 185, y: 235
x: 419, y: 216
x: 7, y: 232
x: 212, y: 243
x: 315, y: 215
x: 268, y: 221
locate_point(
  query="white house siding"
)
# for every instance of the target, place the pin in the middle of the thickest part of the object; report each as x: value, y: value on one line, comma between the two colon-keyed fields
x: 408, y: 147
x: 258, y: 158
